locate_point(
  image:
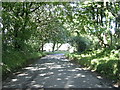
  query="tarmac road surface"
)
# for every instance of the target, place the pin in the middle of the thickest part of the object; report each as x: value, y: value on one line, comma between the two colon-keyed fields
x: 55, y: 71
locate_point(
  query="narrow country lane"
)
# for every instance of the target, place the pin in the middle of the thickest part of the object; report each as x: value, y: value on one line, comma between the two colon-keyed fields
x: 55, y: 71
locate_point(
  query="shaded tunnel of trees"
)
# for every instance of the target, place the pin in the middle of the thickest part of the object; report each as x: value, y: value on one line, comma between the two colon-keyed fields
x: 28, y: 26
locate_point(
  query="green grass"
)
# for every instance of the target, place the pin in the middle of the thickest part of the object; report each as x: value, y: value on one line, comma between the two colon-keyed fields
x: 104, y: 61
x: 14, y: 60
x: 58, y: 52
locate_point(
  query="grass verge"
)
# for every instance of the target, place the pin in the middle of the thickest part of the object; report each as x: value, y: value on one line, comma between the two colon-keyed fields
x: 58, y: 52
x: 15, y: 60
x: 104, y: 61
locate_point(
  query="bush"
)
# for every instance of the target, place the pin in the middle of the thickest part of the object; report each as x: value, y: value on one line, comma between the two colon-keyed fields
x: 103, y: 61
x: 81, y: 43
x: 14, y: 60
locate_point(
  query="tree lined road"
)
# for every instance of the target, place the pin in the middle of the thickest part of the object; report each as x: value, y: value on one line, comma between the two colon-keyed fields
x: 55, y: 71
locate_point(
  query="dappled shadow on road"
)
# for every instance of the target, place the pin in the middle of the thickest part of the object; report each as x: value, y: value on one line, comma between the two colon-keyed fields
x: 54, y: 71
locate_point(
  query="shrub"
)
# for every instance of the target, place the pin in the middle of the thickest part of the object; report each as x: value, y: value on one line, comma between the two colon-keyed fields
x: 14, y: 60
x: 81, y: 43
x: 103, y: 61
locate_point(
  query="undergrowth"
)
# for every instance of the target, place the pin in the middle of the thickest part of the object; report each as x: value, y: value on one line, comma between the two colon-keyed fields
x: 104, y: 61
x: 13, y: 60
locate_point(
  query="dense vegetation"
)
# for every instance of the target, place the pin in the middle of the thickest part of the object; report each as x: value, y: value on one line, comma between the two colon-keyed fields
x: 93, y: 28
x: 104, y: 61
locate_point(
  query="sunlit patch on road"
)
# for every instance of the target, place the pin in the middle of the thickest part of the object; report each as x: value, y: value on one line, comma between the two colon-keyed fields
x: 55, y: 71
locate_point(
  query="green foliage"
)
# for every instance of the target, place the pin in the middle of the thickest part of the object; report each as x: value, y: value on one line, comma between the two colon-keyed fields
x: 81, y: 43
x: 35, y: 23
x: 58, y: 52
x: 104, y: 61
x: 17, y: 27
x: 27, y: 26
x: 14, y: 60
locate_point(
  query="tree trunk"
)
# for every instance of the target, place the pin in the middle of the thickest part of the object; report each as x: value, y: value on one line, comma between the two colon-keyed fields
x: 42, y: 47
x: 53, y: 48
x: 110, y: 40
x: 97, y: 17
x: 58, y: 46
x: 101, y: 14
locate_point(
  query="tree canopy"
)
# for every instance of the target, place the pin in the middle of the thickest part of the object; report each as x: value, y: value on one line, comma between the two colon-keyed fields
x: 86, y: 26
x: 34, y: 24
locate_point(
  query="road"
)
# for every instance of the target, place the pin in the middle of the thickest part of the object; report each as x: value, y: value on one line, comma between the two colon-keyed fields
x: 55, y: 71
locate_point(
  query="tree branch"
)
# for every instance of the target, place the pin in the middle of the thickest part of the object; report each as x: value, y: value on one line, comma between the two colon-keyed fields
x: 35, y: 9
